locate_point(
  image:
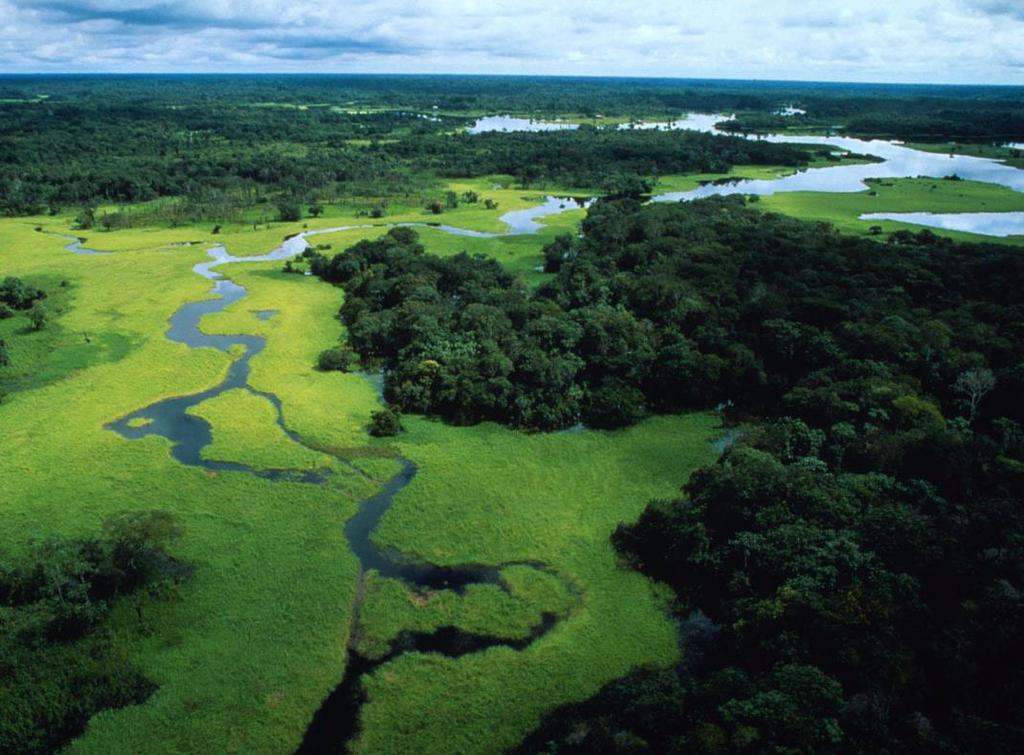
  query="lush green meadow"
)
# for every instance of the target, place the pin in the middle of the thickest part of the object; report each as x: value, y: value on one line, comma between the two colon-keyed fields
x: 491, y: 495
x: 256, y: 639
x: 900, y: 195
x: 249, y: 646
x: 1010, y: 155
x: 224, y: 653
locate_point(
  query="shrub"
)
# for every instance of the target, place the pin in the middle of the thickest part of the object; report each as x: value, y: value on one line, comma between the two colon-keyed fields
x: 86, y: 218
x: 15, y: 293
x: 289, y: 212
x: 336, y: 359
x: 614, y: 405
x: 38, y: 315
x: 386, y: 423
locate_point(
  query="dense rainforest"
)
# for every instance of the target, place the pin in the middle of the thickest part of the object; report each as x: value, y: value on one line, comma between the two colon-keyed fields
x: 220, y: 145
x: 237, y: 157
x: 848, y: 574
x: 845, y: 577
x: 665, y: 308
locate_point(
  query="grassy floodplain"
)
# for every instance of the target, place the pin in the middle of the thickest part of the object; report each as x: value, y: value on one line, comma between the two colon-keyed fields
x: 224, y: 654
x: 548, y: 497
x: 1009, y: 155
x: 901, y: 195
x: 256, y: 639
x: 253, y: 642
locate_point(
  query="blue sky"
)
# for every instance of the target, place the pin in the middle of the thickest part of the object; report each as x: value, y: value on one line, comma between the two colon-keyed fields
x: 937, y: 41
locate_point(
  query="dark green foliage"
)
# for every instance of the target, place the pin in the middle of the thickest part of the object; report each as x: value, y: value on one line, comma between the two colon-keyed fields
x: 587, y: 157
x: 859, y: 551
x: 38, y: 315
x: 612, y: 404
x: 214, y: 152
x: 86, y: 219
x: 61, y: 662
x: 289, y: 211
x: 625, y: 186
x: 17, y: 294
x: 5, y: 354
x: 336, y: 359
x: 560, y: 250
x: 458, y: 336
x: 386, y: 423
x: 671, y: 307
x: 898, y: 604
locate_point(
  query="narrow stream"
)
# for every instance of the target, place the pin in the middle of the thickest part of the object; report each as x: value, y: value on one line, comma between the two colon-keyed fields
x: 336, y: 722
x: 74, y: 244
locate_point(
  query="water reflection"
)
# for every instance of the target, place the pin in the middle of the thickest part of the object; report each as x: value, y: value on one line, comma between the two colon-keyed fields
x: 1001, y: 224
x: 704, y: 122
x: 896, y: 160
x: 511, y: 123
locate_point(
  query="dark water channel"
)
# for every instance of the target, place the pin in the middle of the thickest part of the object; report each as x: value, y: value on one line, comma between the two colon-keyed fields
x: 336, y: 722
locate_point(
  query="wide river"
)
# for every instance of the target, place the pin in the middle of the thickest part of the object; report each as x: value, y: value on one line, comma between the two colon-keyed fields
x: 896, y: 160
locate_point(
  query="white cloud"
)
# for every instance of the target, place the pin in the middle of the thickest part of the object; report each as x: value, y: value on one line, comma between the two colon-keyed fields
x: 867, y: 40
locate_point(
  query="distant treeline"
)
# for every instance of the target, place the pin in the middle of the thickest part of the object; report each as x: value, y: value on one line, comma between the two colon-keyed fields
x: 588, y: 156
x: 495, y: 94
x: 223, y: 142
x: 922, y: 121
x: 54, y: 155
x: 125, y: 153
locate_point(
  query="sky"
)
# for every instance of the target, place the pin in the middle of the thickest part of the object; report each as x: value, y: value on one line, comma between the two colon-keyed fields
x: 918, y: 41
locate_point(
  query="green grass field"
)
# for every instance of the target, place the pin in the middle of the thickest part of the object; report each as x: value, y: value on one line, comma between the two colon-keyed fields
x: 901, y: 195
x: 1009, y: 155
x: 255, y: 640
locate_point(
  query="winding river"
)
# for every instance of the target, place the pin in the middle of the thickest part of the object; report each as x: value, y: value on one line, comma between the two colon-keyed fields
x: 74, y: 244
x: 895, y: 160
x: 336, y: 722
